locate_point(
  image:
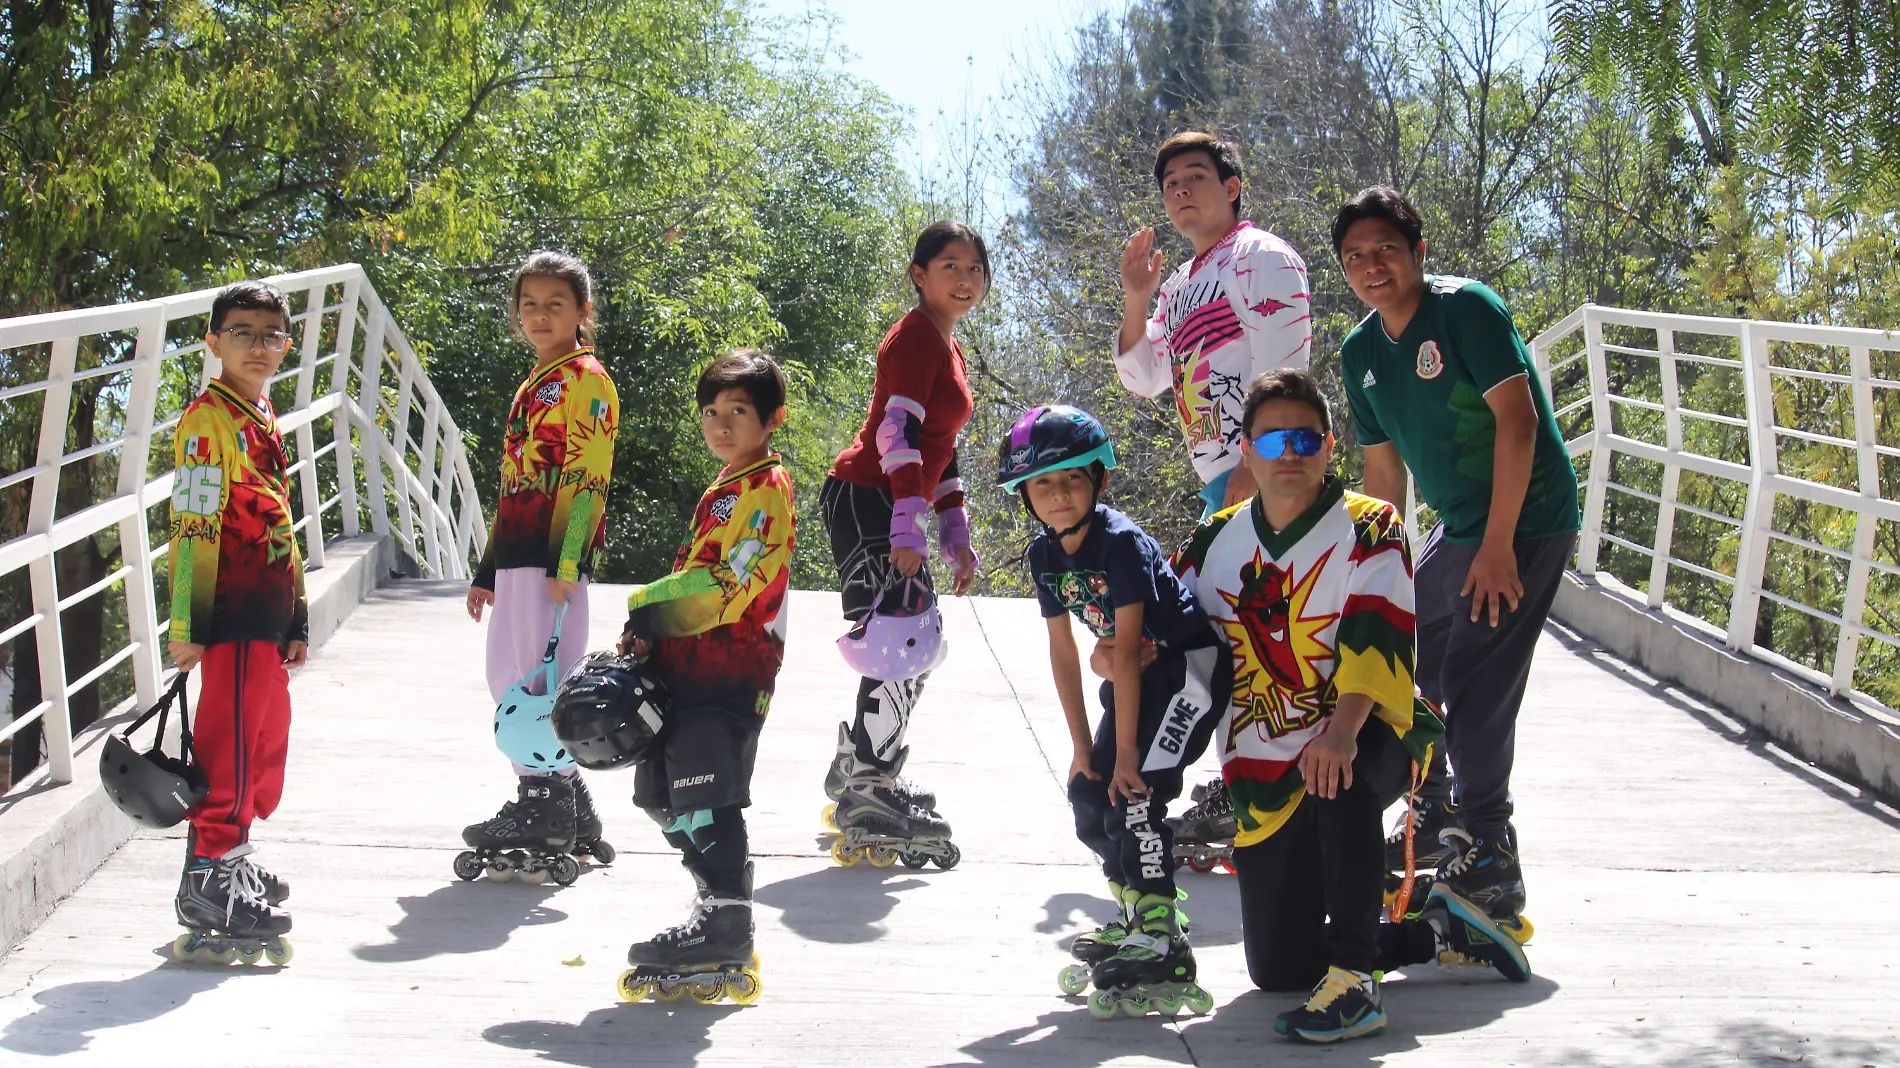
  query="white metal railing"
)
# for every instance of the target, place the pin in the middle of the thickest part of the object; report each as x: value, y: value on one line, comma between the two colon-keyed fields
x: 1749, y: 377
x: 350, y: 365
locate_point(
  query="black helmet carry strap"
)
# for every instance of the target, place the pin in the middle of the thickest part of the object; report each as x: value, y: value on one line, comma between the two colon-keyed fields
x: 161, y: 709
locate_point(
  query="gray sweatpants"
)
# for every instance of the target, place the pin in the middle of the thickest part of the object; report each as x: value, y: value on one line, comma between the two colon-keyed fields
x: 1475, y: 673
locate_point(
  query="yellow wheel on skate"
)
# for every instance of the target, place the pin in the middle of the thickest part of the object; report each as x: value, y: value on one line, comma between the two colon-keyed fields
x: 829, y: 816
x: 670, y: 994
x: 844, y: 854
x: 181, y: 949
x: 279, y: 952
x: 708, y: 990
x: 1519, y: 928
x: 881, y: 858
x: 632, y: 989
x: 744, y: 988
x: 251, y: 956
x: 500, y: 873
x: 218, y: 956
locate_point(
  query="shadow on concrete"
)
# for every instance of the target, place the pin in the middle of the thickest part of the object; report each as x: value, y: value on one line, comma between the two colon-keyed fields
x: 1435, y: 1002
x: 839, y: 905
x: 68, y: 1016
x: 460, y: 917
x: 1750, y: 737
x: 1748, y: 1042
x: 645, y: 1033
x: 1073, y: 1037
x: 1212, y: 907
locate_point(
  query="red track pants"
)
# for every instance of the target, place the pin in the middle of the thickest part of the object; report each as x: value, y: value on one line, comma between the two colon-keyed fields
x: 240, y: 736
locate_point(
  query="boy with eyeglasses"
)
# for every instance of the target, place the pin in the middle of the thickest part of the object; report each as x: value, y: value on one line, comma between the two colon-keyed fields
x: 238, y: 615
x: 1312, y: 586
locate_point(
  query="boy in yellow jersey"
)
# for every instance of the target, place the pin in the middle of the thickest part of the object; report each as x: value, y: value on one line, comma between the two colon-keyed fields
x: 237, y: 615
x: 715, y: 632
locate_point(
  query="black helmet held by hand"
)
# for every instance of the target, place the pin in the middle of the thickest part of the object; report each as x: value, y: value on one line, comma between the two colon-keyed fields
x: 610, y: 711
x: 154, y: 789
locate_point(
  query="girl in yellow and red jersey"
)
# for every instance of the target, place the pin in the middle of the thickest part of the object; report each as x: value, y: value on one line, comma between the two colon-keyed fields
x: 557, y: 459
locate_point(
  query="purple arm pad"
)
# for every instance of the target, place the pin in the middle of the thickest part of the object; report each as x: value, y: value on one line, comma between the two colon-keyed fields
x: 953, y: 532
x: 907, y: 525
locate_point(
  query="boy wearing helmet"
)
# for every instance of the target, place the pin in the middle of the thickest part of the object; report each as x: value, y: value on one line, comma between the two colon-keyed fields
x: 1167, y: 683
x: 715, y: 632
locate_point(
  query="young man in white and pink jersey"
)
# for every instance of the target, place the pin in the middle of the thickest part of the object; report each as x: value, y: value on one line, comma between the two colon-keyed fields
x: 1238, y: 309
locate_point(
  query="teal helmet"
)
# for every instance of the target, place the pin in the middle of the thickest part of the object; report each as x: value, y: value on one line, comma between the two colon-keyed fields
x: 1051, y: 437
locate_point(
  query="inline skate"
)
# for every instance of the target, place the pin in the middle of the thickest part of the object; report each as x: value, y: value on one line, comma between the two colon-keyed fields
x: 1093, y: 947
x: 845, y: 766
x: 1204, y: 834
x: 1153, y: 969
x: 221, y: 904
x: 875, y: 824
x: 1484, y: 876
x: 709, y: 957
x: 529, y: 839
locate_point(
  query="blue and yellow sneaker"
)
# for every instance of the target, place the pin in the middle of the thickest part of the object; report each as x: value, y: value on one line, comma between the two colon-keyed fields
x: 1344, y: 1005
x: 1468, y: 934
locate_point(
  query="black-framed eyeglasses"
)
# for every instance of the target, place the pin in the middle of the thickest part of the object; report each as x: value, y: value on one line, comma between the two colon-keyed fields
x: 1273, y: 444
x: 245, y: 338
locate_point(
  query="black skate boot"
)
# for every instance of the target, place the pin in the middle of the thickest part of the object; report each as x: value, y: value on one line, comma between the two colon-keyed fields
x: 1429, y: 819
x: 276, y: 887
x: 221, y: 903
x: 530, y: 838
x: 846, y: 766
x: 587, y: 839
x: 1204, y: 834
x: 1153, y: 969
x: 1484, y: 872
x: 1345, y: 1004
x: 875, y: 824
x: 710, y: 956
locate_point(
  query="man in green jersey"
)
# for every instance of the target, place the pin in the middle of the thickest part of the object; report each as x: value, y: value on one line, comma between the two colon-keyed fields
x: 1440, y: 382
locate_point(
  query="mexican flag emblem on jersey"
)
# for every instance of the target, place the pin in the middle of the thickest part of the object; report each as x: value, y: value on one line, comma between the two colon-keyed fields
x: 597, y: 408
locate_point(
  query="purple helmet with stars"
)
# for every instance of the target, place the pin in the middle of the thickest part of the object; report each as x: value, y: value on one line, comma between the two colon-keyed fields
x: 900, y: 638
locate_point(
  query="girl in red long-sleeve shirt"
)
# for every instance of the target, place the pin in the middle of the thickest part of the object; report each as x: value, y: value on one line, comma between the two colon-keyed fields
x: 902, y: 466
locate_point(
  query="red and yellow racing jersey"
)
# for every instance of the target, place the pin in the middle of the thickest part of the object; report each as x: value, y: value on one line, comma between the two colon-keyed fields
x: 557, y: 460
x: 721, y: 614
x: 236, y: 574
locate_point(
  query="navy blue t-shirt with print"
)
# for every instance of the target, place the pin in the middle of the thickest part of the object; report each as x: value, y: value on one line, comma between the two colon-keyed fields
x: 1117, y: 564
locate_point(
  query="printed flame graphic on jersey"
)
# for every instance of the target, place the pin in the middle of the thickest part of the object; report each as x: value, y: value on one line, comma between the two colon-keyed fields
x: 1276, y: 647
x: 1200, y: 416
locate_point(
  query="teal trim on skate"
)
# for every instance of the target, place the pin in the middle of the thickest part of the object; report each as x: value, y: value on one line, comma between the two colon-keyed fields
x: 1480, y: 922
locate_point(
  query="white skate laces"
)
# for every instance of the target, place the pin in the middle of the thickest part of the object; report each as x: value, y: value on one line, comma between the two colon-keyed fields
x: 1464, y: 852
x: 240, y: 876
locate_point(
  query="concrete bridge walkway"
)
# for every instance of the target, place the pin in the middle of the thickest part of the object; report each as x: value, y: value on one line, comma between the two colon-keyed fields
x: 1699, y: 898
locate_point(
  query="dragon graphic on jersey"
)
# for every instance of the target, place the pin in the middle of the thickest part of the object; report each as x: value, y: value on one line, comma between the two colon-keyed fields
x: 1277, y: 687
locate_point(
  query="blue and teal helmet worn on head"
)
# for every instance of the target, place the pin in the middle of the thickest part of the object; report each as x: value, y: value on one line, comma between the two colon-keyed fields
x: 1051, y: 437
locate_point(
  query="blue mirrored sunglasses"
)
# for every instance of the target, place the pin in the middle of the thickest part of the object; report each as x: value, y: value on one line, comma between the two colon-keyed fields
x: 1272, y: 444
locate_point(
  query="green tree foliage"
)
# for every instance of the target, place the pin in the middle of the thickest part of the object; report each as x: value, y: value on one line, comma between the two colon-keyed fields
x: 1815, y: 82
x: 726, y: 189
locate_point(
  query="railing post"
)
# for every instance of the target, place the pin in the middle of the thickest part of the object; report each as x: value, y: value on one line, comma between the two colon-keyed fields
x: 1672, y: 474
x: 1854, y: 604
x: 135, y: 534
x: 370, y: 392
x: 399, y: 438
x: 1601, y: 426
x: 1758, y: 514
x: 340, y: 421
x: 431, y: 474
x: 306, y: 434
x: 55, y: 409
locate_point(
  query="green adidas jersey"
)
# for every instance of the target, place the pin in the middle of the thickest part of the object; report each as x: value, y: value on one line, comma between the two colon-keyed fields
x: 1425, y: 394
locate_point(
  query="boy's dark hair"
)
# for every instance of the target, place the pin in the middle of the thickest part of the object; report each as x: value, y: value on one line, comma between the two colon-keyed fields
x: 248, y: 296
x: 1286, y: 383
x: 752, y: 370
x: 930, y: 244
x: 569, y: 269
x: 1225, y: 154
x: 1379, y: 202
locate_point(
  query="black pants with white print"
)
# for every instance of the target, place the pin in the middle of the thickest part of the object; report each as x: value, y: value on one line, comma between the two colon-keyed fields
x: 1182, y: 695
x: 858, y: 520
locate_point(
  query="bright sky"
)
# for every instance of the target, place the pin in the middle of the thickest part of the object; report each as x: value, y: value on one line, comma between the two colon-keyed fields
x: 931, y: 57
